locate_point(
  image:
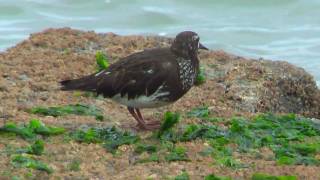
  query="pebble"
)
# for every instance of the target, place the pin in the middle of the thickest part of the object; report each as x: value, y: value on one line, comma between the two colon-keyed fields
x: 24, y: 77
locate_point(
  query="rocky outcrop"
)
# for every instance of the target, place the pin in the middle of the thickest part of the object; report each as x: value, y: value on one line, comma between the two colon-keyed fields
x: 29, y: 73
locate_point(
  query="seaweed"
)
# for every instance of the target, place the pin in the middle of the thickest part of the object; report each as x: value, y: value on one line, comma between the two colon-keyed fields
x: 110, y: 137
x: 28, y: 162
x: 283, y: 134
x: 201, y: 77
x: 178, y: 153
x: 39, y: 128
x: 199, y: 112
x: 169, y: 120
x: 36, y: 148
x: 22, y: 131
x: 88, y: 136
x: 260, y: 176
x: 303, y: 153
x: 102, y: 61
x: 183, y: 176
x: 74, y: 165
x: 153, y: 157
x: 214, y: 177
x: 140, y: 148
x: 31, y: 130
x: 77, y: 109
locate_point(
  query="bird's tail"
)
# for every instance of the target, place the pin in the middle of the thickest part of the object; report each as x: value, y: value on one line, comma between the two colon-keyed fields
x: 87, y: 83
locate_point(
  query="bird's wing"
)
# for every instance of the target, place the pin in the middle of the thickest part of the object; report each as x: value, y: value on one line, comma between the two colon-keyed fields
x: 134, y: 76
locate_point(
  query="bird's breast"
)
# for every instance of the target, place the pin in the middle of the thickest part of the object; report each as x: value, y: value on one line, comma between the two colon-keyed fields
x: 187, y: 73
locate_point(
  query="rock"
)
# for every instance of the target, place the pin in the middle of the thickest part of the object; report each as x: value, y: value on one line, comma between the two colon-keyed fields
x: 3, y: 87
x: 24, y: 77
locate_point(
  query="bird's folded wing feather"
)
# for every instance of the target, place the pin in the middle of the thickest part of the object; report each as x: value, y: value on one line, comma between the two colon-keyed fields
x: 132, y: 79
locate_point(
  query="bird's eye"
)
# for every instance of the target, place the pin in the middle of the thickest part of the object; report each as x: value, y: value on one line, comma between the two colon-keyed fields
x: 195, y: 38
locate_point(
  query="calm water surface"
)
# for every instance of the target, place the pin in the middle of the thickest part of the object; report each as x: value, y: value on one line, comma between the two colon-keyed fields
x: 274, y: 29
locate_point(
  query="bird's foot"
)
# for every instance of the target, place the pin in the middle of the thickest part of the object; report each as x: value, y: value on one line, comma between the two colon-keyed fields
x: 155, y: 122
x: 148, y: 126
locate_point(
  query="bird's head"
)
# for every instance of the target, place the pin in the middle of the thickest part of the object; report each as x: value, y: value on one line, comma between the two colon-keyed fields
x: 186, y: 44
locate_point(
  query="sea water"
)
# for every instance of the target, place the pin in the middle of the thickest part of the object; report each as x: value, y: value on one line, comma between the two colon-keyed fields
x: 273, y: 29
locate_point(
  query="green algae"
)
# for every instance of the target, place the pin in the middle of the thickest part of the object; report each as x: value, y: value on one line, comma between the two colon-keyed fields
x: 199, y: 112
x: 214, y: 177
x: 285, y: 135
x: 102, y: 61
x: 23, y: 161
x: 261, y: 176
x: 37, y: 148
x: 77, y: 109
x: 183, y: 176
x: 110, y: 137
x: 201, y: 77
x: 177, y: 153
x: 169, y: 120
x: 140, y: 148
x: 31, y: 130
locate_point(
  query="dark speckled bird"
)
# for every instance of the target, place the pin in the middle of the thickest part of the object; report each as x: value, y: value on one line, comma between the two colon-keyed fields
x: 147, y: 79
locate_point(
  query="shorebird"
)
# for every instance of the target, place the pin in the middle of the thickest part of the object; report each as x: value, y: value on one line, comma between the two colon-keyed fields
x: 148, y: 79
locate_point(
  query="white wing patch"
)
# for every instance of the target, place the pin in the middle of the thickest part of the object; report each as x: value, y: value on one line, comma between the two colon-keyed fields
x: 101, y: 72
x: 144, y: 101
x: 150, y: 71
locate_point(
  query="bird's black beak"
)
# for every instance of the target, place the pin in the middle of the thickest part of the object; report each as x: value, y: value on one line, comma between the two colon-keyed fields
x: 202, y: 47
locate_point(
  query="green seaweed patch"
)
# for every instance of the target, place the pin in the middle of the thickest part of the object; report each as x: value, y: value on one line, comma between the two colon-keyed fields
x: 74, y: 165
x: 102, y: 61
x: 77, y: 109
x: 214, y: 177
x: 23, y: 161
x: 199, y: 112
x: 153, y: 157
x: 303, y: 153
x: 285, y: 135
x: 178, y: 153
x: 194, y: 131
x: 37, y: 148
x: 201, y: 77
x: 261, y: 176
x: 110, y: 137
x: 140, y: 148
x: 169, y: 120
x: 183, y: 176
x: 31, y: 130
x: 203, y: 113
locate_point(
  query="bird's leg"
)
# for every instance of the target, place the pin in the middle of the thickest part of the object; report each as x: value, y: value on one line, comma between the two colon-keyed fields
x: 141, y: 122
x: 151, y: 123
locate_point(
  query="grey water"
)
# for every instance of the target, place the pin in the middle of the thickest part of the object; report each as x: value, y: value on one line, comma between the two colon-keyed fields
x: 274, y: 29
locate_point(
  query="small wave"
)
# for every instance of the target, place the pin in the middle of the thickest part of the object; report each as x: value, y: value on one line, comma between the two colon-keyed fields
x: 65, y: 18
x: 162, y: 33
x: 43, y: 1
x: 158, y: 10
x: 253, y: 29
